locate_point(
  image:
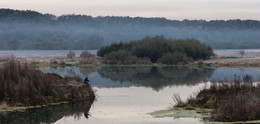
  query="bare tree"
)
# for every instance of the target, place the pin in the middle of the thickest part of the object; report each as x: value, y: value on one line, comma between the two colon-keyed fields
x: 242, y: 52
x: 71, y: 54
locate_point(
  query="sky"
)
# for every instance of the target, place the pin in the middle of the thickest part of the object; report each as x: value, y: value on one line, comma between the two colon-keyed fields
x: 170, y: 9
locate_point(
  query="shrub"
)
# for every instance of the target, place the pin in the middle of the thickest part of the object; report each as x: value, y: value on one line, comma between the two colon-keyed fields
x: 71, y: 54
x: 173, y: 58
x: 85, y: 54
x: 88, y: 61
x: 242, y: 52
x: 144, y: 60
x: 53, y: 61
x: 119, y: 57
x: 177, y: 99
x: 189, y: 108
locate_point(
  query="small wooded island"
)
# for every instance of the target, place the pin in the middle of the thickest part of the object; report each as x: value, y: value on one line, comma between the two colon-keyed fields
x: 155, y: 50
x: 23, y: 86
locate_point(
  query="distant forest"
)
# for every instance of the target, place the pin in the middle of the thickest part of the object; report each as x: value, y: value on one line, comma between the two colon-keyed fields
x: 33, y: 30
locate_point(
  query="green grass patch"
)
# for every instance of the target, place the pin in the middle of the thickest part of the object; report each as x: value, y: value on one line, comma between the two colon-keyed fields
x: 21, y: 109
x: 179, y: 113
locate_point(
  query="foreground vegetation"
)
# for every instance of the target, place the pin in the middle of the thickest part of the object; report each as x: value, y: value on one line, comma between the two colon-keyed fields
x: 22, y: 85
x: 47, y: 114
x: 231, y: 101
x: 155, y: 50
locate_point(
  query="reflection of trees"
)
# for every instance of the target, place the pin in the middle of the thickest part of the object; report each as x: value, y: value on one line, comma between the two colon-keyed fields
x: 157, y: 78
x: 48, y: 114
x: 85, y: 71
x: 71, y: 71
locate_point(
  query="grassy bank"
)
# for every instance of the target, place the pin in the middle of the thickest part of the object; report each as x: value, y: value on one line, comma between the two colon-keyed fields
x: 237, y: 100
x: 22, y: 85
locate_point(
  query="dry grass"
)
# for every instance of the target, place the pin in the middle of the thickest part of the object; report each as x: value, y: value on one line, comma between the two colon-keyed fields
x: 238, y: 100
x: 21, y: 85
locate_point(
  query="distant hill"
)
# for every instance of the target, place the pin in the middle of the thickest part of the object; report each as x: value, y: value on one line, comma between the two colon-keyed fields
x: 33, y: 30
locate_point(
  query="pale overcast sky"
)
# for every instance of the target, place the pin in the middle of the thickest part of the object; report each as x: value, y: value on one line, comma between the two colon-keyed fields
x: 171, y: 9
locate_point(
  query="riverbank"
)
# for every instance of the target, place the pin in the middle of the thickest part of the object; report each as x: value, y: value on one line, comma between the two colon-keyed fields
x: 233, y: 101
x: 23, y: 87
x: 97, y: 62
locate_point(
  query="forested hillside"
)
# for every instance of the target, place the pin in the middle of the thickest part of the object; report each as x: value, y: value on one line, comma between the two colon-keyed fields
x: 33, y: 30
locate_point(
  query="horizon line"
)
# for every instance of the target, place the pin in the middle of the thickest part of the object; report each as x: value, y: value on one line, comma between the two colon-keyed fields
x: 207, y: 20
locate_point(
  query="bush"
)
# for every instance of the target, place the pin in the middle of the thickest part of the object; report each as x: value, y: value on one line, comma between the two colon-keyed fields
x: 88, y: 61
x: 119, y: 57
x: 85, y: 54
x: 71, y: 54
x: 189, y: 108
x: 173, y: 58
x: 53, y: 61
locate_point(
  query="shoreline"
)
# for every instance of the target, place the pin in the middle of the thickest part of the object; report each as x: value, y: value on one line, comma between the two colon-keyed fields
x: 23, y: 108
x: 211, y: 63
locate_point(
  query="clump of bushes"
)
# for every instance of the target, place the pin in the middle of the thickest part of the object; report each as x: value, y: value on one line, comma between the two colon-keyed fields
x: 123, y: 57
x: 174, y: 58
x: 86, y: 55
x: 71, y: 54
x: 88, y: 61
x: 53, y: 61
x: 158, y: 49
x: 238, y: 100
x: 22, y: 85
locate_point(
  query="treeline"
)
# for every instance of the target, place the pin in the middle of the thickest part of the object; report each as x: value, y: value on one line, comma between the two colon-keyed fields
x: 156, y: 50
x: 56, y: 42
x: 33, y: 30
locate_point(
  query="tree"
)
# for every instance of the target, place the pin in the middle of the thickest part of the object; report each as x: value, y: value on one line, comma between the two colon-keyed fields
x: 13, y: 44
x: 71, y: 54
x: 242, y: 52
x: 85, y: 54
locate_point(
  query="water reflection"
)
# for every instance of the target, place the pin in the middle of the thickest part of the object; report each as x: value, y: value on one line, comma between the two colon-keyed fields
x: 156, y: 78
x: 49, y: 114
x: 152, y: 77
